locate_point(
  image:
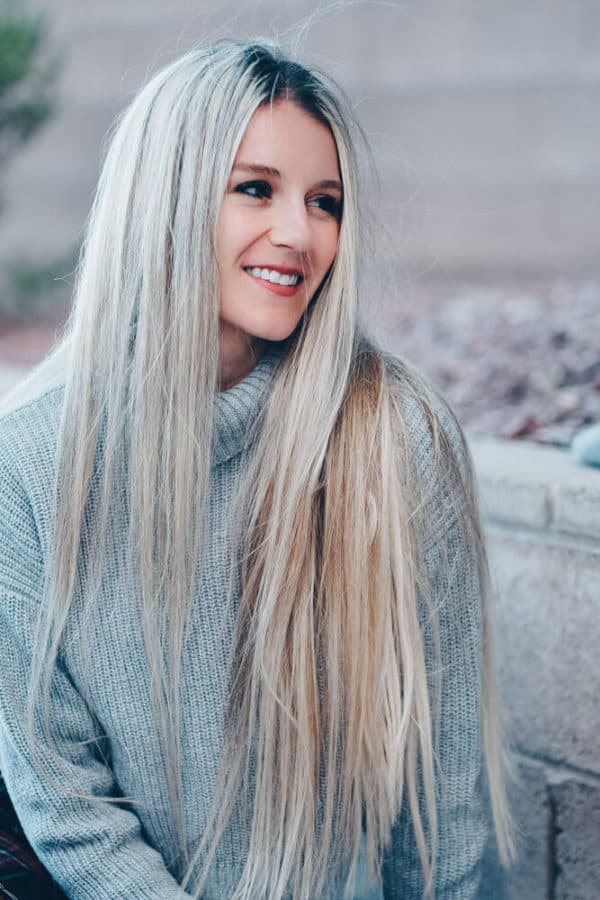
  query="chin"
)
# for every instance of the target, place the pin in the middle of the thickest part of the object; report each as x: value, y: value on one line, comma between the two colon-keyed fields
x: 274, y: 331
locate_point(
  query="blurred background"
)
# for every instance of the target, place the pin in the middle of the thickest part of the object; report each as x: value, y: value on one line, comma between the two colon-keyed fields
x: 484, y: 122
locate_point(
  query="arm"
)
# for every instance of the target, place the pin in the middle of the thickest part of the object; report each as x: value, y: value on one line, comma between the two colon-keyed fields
x: 92, y: 849
x: 453, y: 571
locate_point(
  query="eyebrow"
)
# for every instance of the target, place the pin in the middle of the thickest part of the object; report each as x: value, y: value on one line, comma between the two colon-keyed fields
x: 274, y: 173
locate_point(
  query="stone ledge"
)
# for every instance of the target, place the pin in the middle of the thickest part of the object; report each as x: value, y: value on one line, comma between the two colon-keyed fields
x: 547, y: 626
x: 537, y: 487
x: 542, y: 513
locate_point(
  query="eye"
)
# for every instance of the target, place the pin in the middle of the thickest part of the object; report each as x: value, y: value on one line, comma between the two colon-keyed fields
x: 329, y: 204
x: 260, y: 189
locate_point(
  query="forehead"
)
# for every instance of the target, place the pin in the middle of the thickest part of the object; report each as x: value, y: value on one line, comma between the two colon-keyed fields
x: 285, y: 137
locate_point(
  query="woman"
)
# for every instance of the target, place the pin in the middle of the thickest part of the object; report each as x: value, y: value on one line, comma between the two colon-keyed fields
x: 249, y: 631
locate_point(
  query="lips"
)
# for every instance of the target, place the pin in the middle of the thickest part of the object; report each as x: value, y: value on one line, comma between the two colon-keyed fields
x: 274, y: 276
x: 285, y: 270
x: 274, y: 280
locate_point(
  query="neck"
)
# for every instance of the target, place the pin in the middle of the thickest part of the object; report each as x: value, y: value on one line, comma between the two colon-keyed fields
x: 238, y: 355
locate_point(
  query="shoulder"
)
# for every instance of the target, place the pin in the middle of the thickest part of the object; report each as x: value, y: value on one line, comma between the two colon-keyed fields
x: 445, y: 520
x: 29, y: 433
x: 428, y: 436
x: 435, y: 433
x: 28, y: 453
x: 432, y: 445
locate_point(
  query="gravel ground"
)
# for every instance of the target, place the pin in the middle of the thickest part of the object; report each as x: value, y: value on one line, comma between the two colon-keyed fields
x: 513, y: 362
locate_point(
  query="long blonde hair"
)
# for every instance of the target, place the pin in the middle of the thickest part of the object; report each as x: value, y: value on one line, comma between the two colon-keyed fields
x: 329, y: 686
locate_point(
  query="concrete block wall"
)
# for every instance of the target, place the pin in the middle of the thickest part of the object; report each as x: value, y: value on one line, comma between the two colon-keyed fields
x: 542, y: 514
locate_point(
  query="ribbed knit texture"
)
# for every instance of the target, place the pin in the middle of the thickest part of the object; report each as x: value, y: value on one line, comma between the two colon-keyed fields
x: 109, y: 740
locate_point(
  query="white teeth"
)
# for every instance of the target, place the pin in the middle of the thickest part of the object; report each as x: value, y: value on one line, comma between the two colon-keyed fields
x: 273, y: 276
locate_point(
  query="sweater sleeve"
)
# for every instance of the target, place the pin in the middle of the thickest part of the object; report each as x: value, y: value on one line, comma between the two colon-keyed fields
x: 92, y: 848
x: 453, y: 571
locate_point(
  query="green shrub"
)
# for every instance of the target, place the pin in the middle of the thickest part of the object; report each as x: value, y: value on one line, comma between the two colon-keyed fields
x: 27, y: 76
x: 28, y: 72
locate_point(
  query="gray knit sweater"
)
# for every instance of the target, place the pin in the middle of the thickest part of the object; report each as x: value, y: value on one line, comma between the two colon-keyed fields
x: 104, y: 850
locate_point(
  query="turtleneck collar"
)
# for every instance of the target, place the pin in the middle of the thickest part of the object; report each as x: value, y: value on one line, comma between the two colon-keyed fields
x: 237, y: 409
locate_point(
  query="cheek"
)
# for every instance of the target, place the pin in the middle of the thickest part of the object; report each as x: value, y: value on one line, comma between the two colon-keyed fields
x: 221, y: 243
x: 224, y: 235
x: 229, y: 235
x: 330, y: 246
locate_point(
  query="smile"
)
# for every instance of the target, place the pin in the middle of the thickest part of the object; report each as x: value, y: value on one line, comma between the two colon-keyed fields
x: 273, y: 276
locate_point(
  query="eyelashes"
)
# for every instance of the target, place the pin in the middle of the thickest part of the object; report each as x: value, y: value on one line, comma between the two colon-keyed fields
x: 329, y: 204
x: 262, y: 190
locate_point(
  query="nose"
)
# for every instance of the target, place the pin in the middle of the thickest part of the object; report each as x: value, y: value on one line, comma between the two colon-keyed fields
x: 290, y: 226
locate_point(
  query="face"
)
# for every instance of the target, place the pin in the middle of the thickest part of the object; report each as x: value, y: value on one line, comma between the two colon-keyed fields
x: 278, y: 226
